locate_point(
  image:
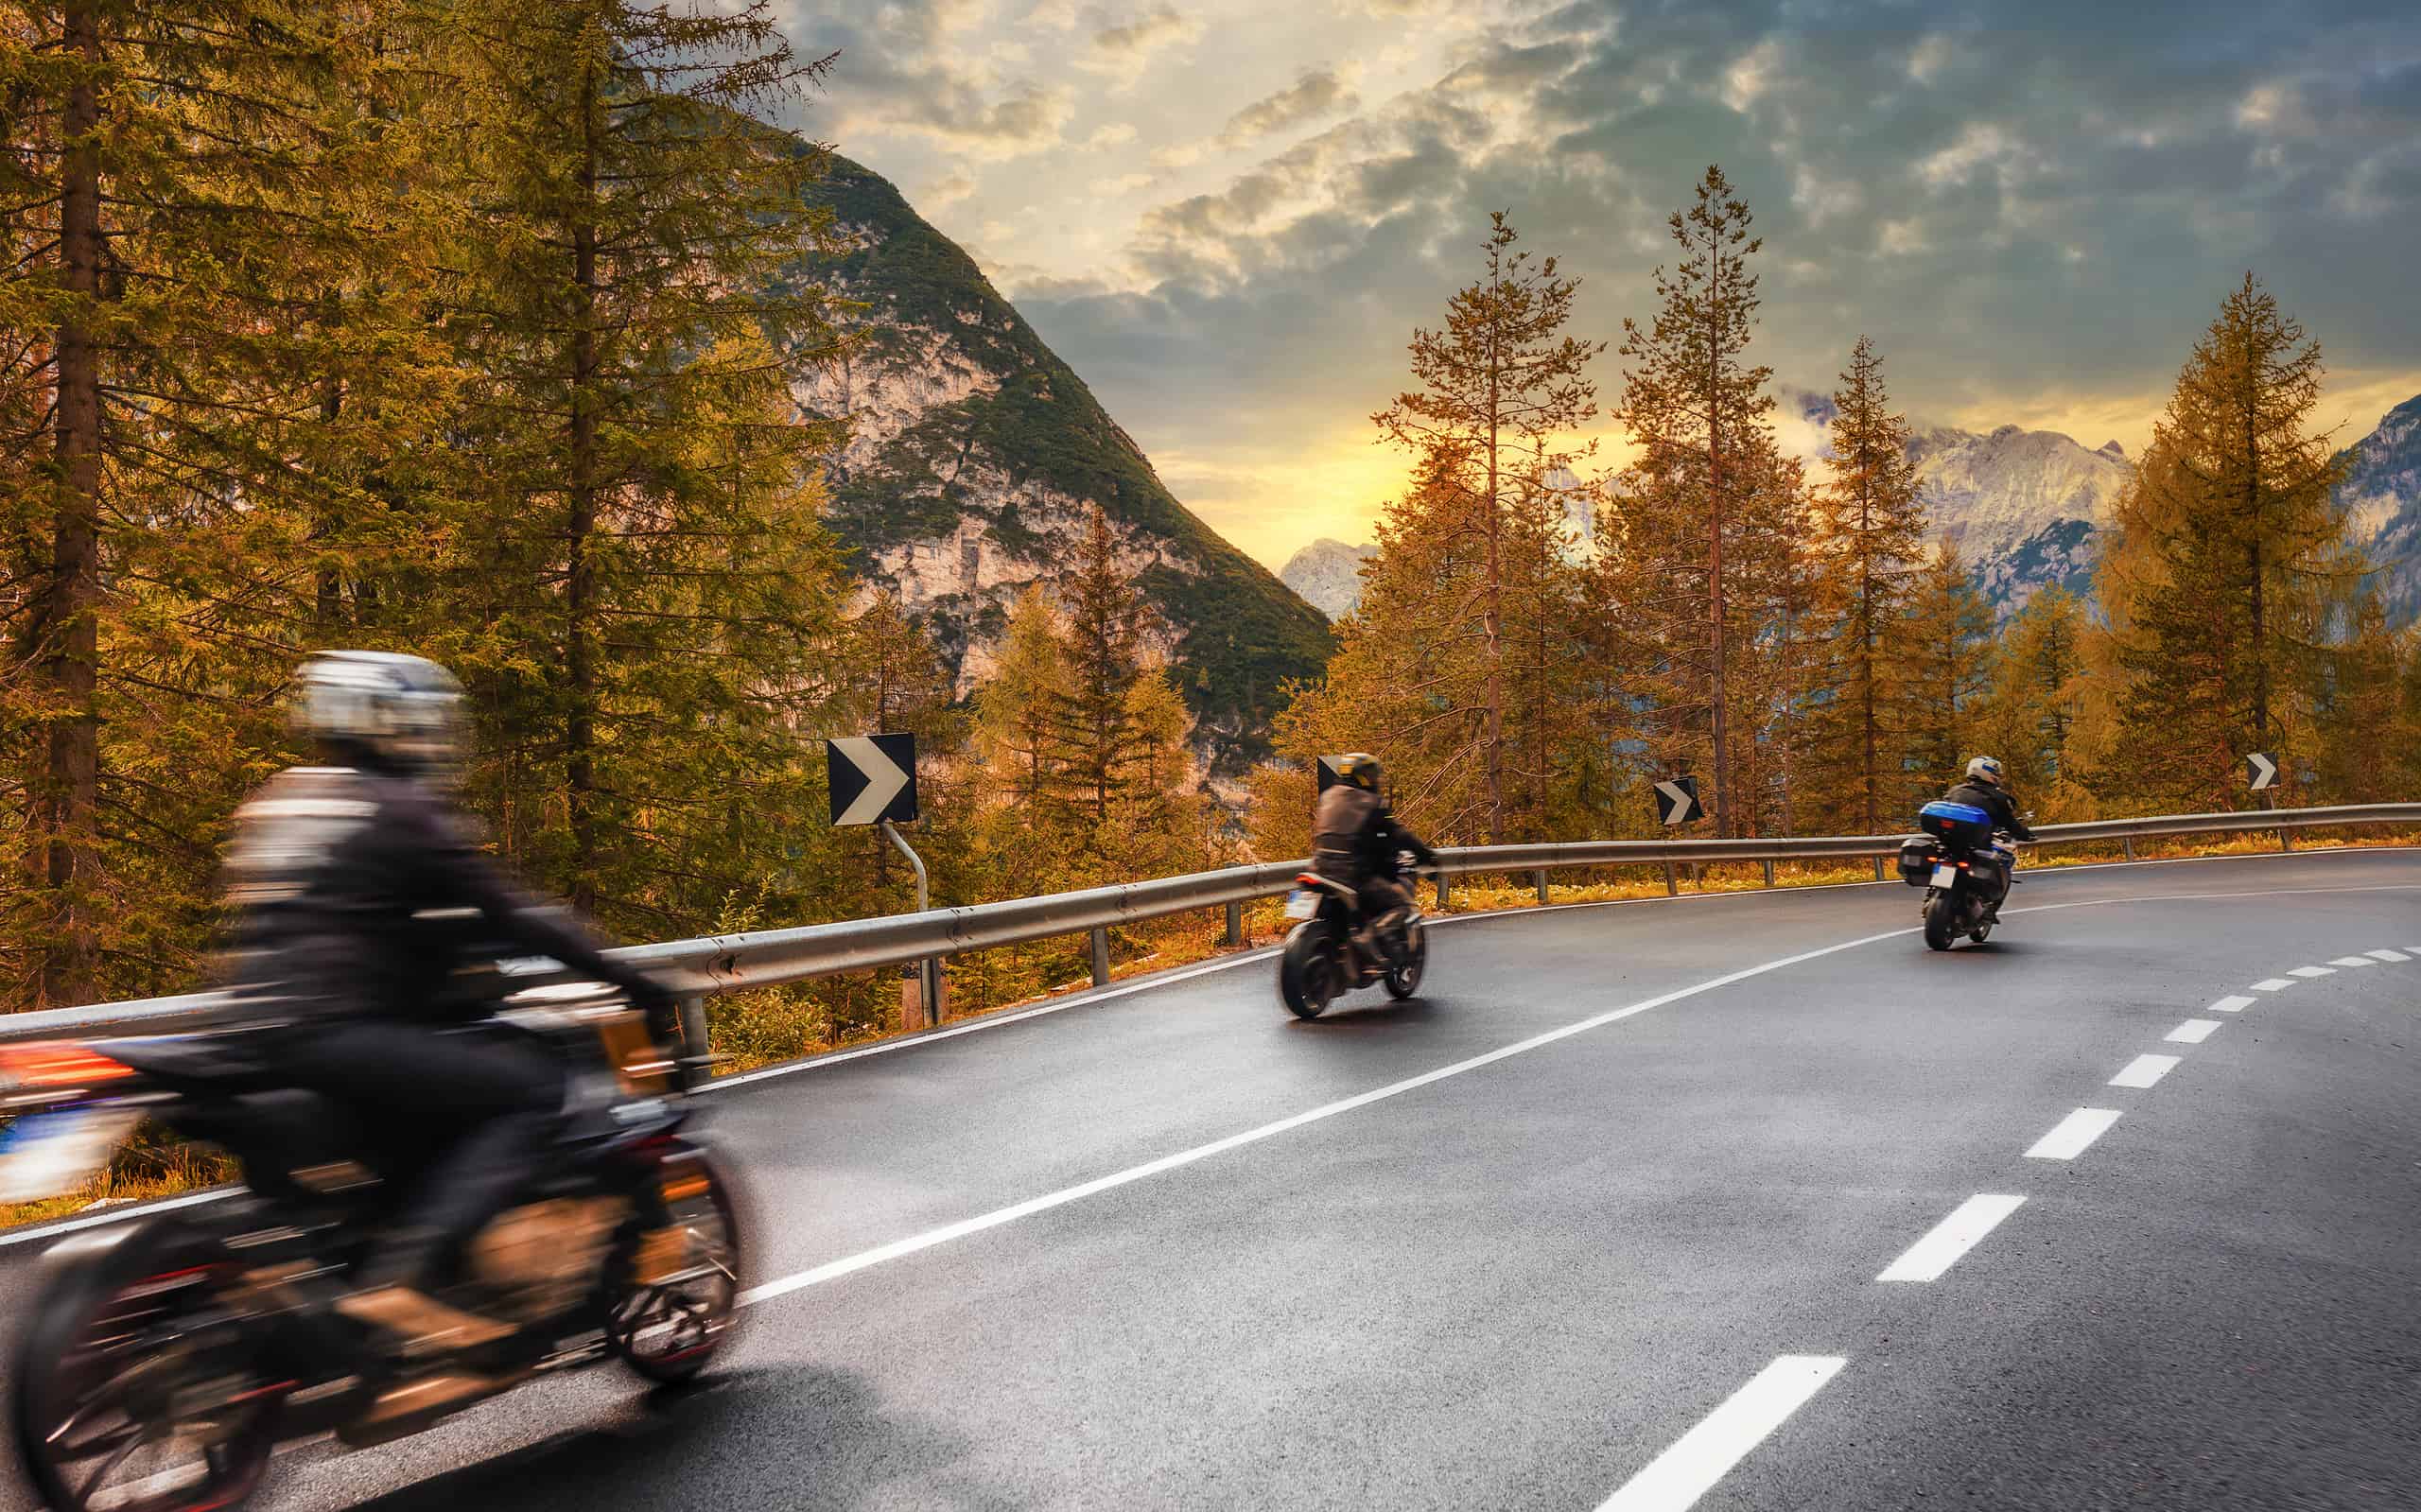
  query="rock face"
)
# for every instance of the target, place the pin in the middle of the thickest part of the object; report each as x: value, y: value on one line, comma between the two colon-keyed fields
x: 1328, y: 574
x: 976, y: 457
x: 2024, y: 507
x: 2381, y: 496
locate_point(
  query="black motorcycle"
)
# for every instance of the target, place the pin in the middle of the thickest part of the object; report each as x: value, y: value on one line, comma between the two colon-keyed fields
x: 164, y: 1358
x: 1325, y: 956
x: 1966, y: 868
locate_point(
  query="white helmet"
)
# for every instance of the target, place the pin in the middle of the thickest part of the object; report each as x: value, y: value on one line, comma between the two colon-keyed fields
x: 404, y: 713
x: 1984, y: 769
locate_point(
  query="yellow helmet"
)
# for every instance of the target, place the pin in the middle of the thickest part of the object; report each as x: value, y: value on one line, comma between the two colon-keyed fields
x: 1359, y: 770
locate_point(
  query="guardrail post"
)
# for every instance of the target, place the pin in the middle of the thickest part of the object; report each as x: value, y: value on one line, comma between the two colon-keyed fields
x: 1540, y: 878
x: 2286, y: 839
x: 693, y: 1026
x: 1235, y: 923
x: 1672, y: 882
x: 1101, y: 958
x: 929, y: 984
x: 1770, y: 871
x: 1879, y: 868
x: 2127, y: 844
x: 1441, y: 891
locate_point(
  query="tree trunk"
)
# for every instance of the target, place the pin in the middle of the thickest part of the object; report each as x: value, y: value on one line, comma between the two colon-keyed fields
x: 1719, y: 722
x: 580, y: 582
x: 65, y: 634
x: 1492, y: 620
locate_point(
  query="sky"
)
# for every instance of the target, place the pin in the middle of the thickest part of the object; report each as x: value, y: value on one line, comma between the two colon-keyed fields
x: 1230, y: 215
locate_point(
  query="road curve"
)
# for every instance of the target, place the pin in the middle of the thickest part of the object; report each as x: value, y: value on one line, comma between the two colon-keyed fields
x: 1743, y: 1202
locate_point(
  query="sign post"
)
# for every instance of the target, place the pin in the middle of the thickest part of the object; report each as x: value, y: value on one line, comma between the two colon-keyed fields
x: 873, y: 781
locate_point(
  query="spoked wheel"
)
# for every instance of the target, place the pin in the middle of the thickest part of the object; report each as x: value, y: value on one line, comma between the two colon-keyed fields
x: 136, y: 1391
x: 1981, y: 933
x: 1942, y: 919
x: 1307, y: 973
x: 1403, y: 980
x: 675, y: 1291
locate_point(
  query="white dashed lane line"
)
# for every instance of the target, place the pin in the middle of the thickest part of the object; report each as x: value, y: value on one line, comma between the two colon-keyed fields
x: 2273, y: 984
x: 2353, y: 960
x: 2074, y: 1135
x: 2312, y: 971
x: 2145, y: 1069
x: 1953, y: 1237
x: 2192, y: 1032
x: 1674, y: 1481
x: 2389, y: 955
x: 2232, y: 1005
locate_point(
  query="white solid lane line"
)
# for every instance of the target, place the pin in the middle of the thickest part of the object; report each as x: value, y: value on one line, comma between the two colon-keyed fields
x: 1674, y: 1481
x: 2311, y: 971
x: 1956, y: 1235
x: 850, y: 1264
x: 2353, y: 960
x: 2145, y: 1069
x: 2074, y: 1133
x: 2232, y: 1005
x: 2192, y: 1032
x: 2273, y: 984
x: 2389, y: 955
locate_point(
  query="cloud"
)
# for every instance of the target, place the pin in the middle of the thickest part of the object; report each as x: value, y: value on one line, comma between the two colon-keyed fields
x: 1316, y: 94
x: 1126, y: 50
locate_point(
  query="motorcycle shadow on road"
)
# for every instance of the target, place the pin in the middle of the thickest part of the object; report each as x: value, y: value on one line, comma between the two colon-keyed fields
x: 775, y: 1436
x: 1367, y: 1012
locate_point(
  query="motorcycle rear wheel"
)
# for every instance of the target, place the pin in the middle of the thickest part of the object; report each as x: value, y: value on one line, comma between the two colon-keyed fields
x: 1941, y: 920
x: 668, y: 1332
x: 112, y: 1345
x: 1306, y: 975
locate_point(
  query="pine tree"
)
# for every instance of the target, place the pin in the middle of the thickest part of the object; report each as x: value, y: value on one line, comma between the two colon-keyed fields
x: 2368, y: 731
x: 1501, y: 379
x: 640, y: 595
x: 1708, y: 508
x: 2232, y: 569
x: 1950, y: 659
x: 1870, y: 552
x: 185, y: 183
x: 1103, y: 619
x: 1015, y: 736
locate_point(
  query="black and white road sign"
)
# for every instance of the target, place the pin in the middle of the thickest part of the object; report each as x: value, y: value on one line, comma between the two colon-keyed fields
x: 2261, y: 769
x: 873, y: 778
x: 1677, y: 801
x: 1327, y: 775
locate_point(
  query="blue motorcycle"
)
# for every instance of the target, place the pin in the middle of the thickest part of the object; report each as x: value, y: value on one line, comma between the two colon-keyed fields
x: 1966, y: 868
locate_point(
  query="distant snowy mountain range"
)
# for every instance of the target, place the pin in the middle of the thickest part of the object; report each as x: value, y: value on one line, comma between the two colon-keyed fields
x: 2025, y: 507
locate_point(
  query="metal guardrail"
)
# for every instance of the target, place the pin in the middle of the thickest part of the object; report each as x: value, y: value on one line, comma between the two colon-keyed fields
x: 737, y: 963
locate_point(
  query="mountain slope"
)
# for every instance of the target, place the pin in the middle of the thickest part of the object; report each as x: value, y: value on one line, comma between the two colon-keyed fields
x: 976, y: 456
x: 2381, y: 496
x: 1328, y: 574
x: 2024, y: 507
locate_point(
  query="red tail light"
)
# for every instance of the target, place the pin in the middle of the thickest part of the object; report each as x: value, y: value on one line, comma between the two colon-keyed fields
x: 51, y: 1064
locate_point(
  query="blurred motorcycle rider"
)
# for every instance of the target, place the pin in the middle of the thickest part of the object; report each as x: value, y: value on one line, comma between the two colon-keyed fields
x: 1984, y: 788
x: 1356, y: 840
x: 357, y: 890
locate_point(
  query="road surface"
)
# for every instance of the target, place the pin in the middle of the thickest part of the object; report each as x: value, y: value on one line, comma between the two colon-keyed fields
x: 1739, y: 1202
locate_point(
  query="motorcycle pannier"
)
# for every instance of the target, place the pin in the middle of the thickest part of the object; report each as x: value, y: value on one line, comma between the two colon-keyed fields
x: 1916, y: 861
x: 1957, y: 826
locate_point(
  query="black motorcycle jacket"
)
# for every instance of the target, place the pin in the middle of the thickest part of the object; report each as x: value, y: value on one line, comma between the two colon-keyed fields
x: 1355, y: 837
x: 358, y: 892
x: 1994, y: 802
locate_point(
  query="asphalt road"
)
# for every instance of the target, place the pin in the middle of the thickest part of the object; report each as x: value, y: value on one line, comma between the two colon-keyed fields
x: 1635, y: 1207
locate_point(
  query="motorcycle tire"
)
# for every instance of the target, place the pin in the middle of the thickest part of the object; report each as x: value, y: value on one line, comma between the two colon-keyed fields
x: 1942, y: 921
x: 1403, y: 980
x: 108, y: 1347
x: 1980, y: 933
x: 667, y: 1333
x: 1306, y: 975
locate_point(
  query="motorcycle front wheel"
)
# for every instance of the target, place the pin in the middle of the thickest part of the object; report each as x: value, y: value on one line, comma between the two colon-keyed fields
x: 1941, y: 920
x: 1403, y: 980
x: 133, y: 1389
x: 674, y: 1288
x: 1307, y: 978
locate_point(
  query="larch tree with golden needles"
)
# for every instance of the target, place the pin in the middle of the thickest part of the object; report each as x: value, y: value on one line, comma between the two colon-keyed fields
x: 2232, y: 572
x: 1498, y: 390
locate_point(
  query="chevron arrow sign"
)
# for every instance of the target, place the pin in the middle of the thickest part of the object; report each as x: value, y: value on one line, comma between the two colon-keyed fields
x: 873, y: 778
x: 2261, y: 769
x: 1677, y: 801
